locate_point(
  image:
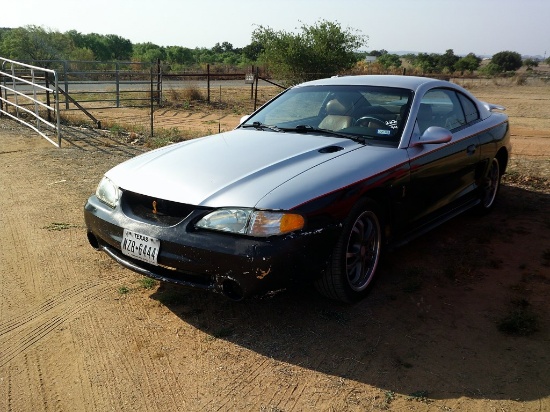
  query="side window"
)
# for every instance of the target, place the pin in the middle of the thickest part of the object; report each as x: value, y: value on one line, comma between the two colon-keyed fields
x: 470, y: 109
x: 440, y: 107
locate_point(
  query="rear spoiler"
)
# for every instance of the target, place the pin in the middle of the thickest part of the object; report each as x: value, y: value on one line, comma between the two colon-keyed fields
x: 491, y: 107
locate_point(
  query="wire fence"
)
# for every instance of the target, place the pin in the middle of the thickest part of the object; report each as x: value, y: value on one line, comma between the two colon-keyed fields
x: 44, y: 88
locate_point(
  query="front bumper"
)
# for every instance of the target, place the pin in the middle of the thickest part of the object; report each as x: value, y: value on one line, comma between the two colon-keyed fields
x: 236, y: 266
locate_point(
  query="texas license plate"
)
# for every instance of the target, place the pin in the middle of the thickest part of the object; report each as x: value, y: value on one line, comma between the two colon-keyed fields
x: 138, y: 246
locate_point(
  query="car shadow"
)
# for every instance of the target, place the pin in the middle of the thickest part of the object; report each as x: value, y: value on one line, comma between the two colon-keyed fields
x: 430, y: 325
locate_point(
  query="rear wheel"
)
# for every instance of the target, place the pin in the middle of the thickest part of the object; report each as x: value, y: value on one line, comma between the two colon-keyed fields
x: 355, y: 256
x: 491, y: 185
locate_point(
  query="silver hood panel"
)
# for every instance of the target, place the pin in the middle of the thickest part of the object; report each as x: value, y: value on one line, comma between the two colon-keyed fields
x: 236, y: 168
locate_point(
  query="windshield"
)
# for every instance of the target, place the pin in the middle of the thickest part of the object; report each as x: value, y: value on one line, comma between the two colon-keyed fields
x: 367, y: 112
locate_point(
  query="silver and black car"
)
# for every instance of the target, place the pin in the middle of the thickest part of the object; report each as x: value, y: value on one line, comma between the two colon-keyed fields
x: 311, y: 187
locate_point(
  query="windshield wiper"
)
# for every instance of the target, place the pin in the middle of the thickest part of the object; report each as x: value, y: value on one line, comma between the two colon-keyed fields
x: 262, y: 126
x: 305, y: 128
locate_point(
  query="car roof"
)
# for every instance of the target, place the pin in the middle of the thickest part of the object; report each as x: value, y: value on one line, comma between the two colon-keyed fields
x: 406, y: 82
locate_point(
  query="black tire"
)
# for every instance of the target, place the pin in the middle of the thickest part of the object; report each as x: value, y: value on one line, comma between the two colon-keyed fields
x: 355, y: 256
x: 490, y: 187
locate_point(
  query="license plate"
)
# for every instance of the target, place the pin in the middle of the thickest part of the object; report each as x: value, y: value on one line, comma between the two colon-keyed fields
x: 138, y: 246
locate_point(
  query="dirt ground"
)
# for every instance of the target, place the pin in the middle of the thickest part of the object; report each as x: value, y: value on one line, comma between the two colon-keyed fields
x: 459, y: 319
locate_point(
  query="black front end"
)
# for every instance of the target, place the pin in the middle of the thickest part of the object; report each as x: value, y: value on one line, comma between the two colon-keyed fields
x: 235, y: 265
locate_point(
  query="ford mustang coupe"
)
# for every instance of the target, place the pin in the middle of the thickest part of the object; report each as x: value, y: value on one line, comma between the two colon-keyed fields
x: 312, y: 186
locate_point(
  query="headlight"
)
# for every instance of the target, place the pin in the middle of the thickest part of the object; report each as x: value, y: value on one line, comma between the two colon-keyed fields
x: 263, y: 223
x: 226, y: 220
x: 107, y: 192
x: 252, y: 222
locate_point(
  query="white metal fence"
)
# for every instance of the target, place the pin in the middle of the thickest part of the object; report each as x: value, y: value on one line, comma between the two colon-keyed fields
x: 22, y: 91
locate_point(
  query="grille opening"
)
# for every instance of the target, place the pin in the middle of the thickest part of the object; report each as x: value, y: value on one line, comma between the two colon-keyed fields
x: 154, y: 210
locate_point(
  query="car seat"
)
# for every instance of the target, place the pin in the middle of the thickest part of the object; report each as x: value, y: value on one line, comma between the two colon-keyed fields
x: 337, y: 115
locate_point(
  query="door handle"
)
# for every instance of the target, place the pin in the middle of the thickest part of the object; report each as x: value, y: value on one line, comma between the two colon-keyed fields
x: 471, y: 149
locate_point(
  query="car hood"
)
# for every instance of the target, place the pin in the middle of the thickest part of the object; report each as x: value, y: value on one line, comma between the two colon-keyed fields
x: 235, y: 168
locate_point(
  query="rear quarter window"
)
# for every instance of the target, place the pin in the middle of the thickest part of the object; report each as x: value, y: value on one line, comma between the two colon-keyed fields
x: 470, y: 109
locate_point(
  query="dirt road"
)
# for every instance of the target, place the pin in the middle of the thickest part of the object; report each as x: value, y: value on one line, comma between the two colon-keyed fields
x: 79, y: 333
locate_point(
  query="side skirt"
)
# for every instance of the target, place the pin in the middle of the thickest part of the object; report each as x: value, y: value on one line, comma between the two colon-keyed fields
x: 431, y: 224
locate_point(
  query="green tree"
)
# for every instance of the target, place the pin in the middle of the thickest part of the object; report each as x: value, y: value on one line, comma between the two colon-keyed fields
x: 179, y: 55
x: 222, y: 48
x: 36, y: 43
x: 320, y: 50
x: 447, y: 61
x: 469, y: 63
x: 104, y: 48
x: 3, y: 31
x: 148, y: 52
x: 507, y: 61
x: 409, y: 58
x: 427, y: 63
x: 530, y: 63
x: 92, y: 41
x: 252, y: 51
x: 205, y: 56
x: 81, y: 54
x: 119, y: 47
x: 377, y: 53
x: 491, y: 69
x: 388, y: 60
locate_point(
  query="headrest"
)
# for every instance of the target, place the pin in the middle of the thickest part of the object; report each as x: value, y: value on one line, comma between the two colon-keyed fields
x: 337, y: 107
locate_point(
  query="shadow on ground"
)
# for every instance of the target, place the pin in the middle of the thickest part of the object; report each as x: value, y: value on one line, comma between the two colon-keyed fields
x: 430, y: 325
x: 89, y: 140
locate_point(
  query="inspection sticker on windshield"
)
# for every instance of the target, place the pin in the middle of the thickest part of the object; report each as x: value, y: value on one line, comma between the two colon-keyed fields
x: 142, y: 247
x: 383, y: 131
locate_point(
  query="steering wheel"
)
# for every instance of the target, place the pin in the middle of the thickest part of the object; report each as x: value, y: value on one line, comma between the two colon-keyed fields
x: 365, y: 120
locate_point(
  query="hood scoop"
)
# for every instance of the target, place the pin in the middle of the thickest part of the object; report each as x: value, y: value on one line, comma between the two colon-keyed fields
x: 330, y: 149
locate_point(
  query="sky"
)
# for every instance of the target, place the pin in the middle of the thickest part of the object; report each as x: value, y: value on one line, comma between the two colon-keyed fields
x: 483, y: 27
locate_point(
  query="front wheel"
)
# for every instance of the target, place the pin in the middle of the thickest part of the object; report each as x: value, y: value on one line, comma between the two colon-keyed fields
x: 355, y: 256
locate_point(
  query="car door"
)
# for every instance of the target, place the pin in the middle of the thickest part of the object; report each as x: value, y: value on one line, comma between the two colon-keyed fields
x: 443, y: 174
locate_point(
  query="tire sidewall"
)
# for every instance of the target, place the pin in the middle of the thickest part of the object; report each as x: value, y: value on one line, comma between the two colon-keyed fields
x: 338, y: 261
x: 485, y: 207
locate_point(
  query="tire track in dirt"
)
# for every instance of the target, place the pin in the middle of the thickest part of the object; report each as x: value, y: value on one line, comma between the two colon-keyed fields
x: 22, y: 332
x: 135, y: 365
x: 47, y: 305
x: 247, y: 386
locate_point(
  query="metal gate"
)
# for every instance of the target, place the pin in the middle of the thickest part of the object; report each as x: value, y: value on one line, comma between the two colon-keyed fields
x: 22, y: 90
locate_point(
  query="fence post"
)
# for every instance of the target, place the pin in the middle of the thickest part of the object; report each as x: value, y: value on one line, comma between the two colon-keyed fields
x: 57, y: 114
x: 48, y: 101
x: 15, y: 94
x: 65, y: 77
x: 5, y: 90
x: 152, y: 102
x: 159, y: 83
x: 256, y: 81
x: 35, y: 98
x: 208, y: 82
x: 117, y: 84
x: 252, y: 83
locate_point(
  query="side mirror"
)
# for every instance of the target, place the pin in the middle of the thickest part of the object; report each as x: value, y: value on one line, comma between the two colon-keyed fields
x: 434, y: 135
